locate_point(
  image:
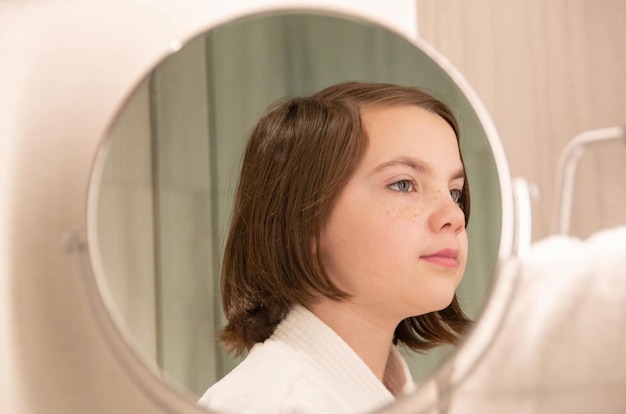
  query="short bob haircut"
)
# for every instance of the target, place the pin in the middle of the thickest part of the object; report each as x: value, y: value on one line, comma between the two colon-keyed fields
x: 298, y: 159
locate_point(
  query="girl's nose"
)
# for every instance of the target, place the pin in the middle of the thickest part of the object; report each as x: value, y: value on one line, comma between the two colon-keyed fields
x: 447, y: 215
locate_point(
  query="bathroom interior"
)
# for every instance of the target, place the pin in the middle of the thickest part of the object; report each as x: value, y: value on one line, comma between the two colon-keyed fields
x: 121, y: 129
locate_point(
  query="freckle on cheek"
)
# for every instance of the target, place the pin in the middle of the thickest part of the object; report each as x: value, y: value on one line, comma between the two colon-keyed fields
x: 407, y: 212
x: 418, y: 212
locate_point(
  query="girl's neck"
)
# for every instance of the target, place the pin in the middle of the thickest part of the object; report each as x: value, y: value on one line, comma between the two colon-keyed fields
x: 369, y: 335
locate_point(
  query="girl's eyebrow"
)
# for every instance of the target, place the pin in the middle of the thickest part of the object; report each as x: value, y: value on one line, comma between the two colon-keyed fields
x: 418, y: 165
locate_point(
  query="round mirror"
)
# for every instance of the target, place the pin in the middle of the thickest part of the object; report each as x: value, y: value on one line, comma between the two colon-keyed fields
x: 172, y: 156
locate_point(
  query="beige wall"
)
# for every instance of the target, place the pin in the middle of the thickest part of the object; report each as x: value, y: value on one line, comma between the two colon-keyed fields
x: 546, y: 71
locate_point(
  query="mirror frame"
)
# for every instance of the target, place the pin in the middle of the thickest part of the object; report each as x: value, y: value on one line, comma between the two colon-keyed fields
x: 142, y: 371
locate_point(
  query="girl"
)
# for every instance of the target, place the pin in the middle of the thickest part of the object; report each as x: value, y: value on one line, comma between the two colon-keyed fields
x: 347, y: 238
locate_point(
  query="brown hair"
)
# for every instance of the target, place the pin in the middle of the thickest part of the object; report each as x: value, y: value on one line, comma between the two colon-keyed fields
x: 299, y: 157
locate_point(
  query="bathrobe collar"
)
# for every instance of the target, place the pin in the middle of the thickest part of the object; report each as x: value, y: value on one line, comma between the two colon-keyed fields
x: 322, y: 348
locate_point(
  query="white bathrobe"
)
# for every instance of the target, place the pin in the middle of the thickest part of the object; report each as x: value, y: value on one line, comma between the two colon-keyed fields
x: 305, y: 367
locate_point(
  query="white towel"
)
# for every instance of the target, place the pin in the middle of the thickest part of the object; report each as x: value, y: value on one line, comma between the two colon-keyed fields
x: 562, y: 348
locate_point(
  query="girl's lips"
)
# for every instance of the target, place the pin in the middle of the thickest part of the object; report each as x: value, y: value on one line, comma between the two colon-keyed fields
x: 445, y: 258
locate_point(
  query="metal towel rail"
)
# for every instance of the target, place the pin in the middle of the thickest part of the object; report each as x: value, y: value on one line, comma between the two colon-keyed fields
x: 566, y: 172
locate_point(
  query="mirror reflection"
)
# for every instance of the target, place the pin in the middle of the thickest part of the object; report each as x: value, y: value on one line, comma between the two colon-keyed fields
x: 174, y: 152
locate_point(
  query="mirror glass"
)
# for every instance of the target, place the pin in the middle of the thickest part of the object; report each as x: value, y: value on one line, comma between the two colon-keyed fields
x: 173, y: 155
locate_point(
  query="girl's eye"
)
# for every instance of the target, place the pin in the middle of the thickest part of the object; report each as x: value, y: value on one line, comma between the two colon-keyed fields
x: 404, y: 186
x: 456, y: 195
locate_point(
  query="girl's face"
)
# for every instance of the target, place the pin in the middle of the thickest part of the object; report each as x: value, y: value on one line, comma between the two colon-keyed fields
x: 395, y: 239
